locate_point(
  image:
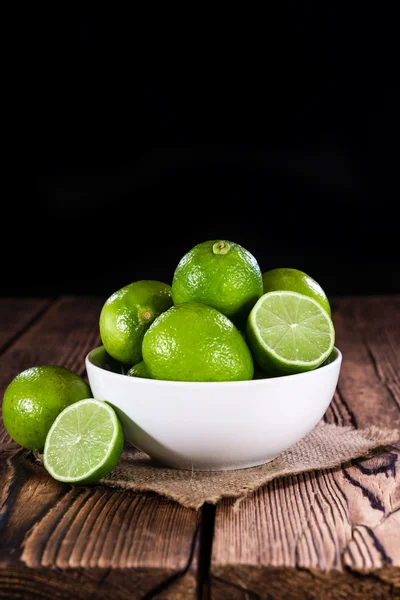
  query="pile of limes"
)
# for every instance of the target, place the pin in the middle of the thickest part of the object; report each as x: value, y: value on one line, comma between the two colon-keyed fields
x: 221, y: 319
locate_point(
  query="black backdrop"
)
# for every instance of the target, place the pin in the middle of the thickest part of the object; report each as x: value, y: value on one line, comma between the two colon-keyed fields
x: 140, y: 137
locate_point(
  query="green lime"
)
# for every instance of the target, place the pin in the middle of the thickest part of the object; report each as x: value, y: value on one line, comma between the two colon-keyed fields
x: 139, y: 370
x: 128, y: 313
x: 294, y: 280
x: 35, y: 397
x: 219, y: 273
x: 289, y: 332
x: 195, y: 342
x: 84, y: 443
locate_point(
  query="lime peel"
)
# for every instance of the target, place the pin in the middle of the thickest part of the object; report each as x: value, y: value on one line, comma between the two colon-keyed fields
x: 294, y: 280
x: 221, y: 274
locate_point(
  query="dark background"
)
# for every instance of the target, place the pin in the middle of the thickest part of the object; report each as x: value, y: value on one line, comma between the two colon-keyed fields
x: 139, y: 137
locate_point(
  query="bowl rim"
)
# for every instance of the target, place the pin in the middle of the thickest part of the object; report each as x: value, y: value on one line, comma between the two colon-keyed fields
x: 246, y: 382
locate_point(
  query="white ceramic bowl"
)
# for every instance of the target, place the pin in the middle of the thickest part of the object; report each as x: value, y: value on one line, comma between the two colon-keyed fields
x: 214, y: 426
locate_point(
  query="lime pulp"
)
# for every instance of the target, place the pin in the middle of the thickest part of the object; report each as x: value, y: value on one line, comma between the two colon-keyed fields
x: 84, y: 443
x: 289, y: 332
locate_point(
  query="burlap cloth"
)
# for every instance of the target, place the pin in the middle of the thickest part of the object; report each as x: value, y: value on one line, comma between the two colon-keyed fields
x: 325, y: 447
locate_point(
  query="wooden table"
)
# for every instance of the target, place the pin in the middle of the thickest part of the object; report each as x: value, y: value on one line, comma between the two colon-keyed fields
x: 328, y: 535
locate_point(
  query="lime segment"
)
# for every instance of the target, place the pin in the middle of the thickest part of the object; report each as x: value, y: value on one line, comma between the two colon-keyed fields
x: 84, y: 443
x: 289, y: 332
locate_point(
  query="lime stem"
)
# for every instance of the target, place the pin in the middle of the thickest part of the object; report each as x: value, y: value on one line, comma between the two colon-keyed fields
x: 145, y: 316
x: 221, y: 247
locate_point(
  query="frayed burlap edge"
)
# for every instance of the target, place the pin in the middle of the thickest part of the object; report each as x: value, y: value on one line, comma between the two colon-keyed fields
x: 327, y: 446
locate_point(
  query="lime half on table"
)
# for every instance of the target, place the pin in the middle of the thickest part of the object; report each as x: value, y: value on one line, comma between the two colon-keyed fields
x: 84, y: 443
x: 289, y: 333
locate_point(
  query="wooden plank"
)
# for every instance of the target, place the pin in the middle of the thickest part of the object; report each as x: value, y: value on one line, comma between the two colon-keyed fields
x: 91, y: 541
x: 333, y: 534
x: 59, y: 541
x: 16, y: 314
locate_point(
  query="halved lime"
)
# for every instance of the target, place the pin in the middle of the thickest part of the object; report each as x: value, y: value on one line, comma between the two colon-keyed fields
x: 84, y: 443
x: 289, y: 332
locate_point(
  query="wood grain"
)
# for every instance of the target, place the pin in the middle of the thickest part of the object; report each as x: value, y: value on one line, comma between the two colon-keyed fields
x: 113, y: 543
x: 59, y: 541
x: 89, y: 584
x: 16, y: 314
x: 333, y: 534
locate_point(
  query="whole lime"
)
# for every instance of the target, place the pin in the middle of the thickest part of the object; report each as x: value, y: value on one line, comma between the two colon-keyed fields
x: 139, y: 370
x: 219, y: 273
x: 127, y: 314
x: 34, y: 399
x: 294, y: 280
x: 196, y: 342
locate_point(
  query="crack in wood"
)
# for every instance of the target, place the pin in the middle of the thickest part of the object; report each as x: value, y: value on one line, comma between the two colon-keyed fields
x: 206, y: 534
x: 385, y: 558
x: 168, y: 582
x: 375, y: 503
x: 384, y: 462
